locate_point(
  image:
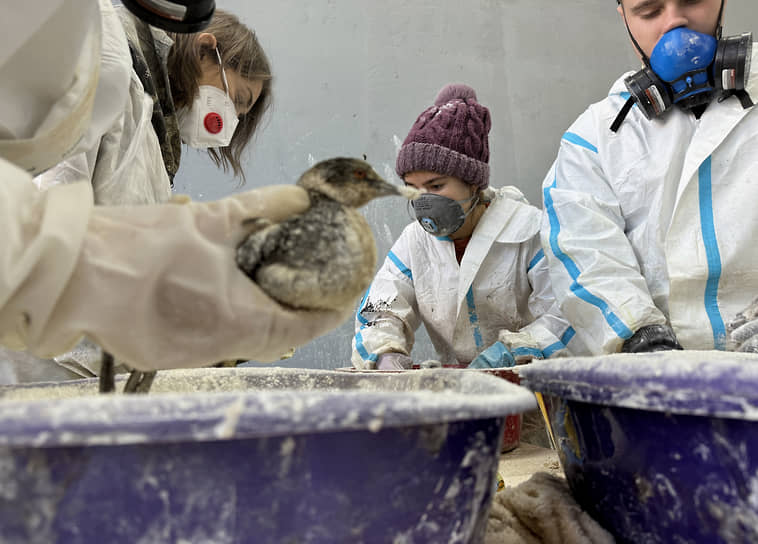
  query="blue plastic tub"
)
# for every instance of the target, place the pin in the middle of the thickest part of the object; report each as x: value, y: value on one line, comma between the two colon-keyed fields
x: 254, y: 456
x: 661, y: 447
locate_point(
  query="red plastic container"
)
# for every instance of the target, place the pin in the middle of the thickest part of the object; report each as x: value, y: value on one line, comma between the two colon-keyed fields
x: 512, y: 433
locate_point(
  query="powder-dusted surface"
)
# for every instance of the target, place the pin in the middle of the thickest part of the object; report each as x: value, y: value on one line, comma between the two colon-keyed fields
x: 723, y: 384
x: 520, y: 464
x: 287, y: 455
x: 202, y: 404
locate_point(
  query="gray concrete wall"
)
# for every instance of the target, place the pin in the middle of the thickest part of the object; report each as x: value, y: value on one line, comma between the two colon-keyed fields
x: 351, y: 76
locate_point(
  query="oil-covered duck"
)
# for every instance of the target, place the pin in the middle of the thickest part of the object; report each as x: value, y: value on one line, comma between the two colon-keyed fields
x: 325, y: 257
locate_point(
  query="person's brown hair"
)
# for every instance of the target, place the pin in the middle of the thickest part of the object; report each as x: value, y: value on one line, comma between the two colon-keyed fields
x: 241, y: 52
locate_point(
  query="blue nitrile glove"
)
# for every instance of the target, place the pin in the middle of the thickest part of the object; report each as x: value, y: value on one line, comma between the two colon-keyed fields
x: 495, y: 356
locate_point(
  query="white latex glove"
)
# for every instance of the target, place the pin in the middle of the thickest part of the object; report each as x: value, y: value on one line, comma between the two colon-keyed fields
x: 157, y: 286
x: 743, y: 330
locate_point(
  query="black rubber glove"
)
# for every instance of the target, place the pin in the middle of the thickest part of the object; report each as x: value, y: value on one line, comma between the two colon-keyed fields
x: 651, y: 338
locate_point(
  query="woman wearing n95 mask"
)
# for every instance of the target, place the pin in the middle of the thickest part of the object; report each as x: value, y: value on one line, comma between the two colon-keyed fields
x: 225, y: 63
x: 209, y: 89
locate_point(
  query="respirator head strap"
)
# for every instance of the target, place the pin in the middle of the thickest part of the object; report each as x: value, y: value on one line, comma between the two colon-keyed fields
x: 622, y: 114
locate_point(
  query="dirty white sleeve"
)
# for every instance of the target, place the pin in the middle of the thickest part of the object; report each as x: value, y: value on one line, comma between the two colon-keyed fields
x: 595, y: 276
x: 387, y: 316
x: 550, y: 333
x: 43, y: 236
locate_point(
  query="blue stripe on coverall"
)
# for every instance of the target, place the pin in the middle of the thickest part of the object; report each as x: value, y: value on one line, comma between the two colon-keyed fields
x: 361, y: 319
x: 359, y: 347
x: 474, y: 318
x: 400, y: 265
x: 561, y: 344
x: 713, y: 255
x: 578, y: 140
x: 537, y: 258
x: 555, y: 228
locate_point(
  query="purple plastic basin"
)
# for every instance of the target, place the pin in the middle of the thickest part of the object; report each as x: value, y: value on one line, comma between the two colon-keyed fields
x: 254, y: 455
x: 661, y: 447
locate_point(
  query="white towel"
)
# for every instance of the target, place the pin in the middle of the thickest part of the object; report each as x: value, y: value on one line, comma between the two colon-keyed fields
x: 541, y: 510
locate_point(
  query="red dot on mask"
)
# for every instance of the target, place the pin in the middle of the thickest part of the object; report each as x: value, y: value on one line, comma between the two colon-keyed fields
x: 213, y: 123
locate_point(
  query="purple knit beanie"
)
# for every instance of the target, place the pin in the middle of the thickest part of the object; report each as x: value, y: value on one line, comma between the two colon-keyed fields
x: 450, y: 138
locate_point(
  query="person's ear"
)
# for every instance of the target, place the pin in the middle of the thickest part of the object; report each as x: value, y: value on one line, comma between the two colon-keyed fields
x: 206, y: 40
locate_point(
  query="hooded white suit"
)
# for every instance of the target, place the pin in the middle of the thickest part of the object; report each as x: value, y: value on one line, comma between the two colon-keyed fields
x: 500, y: 291
x: 655, y: 223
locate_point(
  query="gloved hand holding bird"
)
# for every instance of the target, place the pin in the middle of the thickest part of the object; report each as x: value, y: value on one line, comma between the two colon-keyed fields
x: 320, y: 260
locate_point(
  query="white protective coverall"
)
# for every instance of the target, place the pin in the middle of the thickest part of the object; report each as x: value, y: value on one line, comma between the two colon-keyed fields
x: 156, y: 285
x: 500, y: 291
x: 124, y: 166
x: 655, y: 223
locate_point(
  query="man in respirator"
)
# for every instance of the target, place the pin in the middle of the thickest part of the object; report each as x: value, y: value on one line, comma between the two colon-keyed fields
x: 649, y: 217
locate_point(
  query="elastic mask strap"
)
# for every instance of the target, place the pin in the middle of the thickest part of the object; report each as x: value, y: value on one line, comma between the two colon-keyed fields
x: 719, y: 28
x: 223, y: 72
x: 471, y: 208
x: 469, y: 199
x: 645, y: 60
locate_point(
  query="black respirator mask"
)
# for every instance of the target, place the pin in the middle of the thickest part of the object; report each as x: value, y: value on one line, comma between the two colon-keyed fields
x: 688, y: 69
x: 181, y: 16
x: 440, y: 215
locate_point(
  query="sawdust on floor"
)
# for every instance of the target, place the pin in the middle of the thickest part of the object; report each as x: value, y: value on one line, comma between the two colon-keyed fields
x: 518, y: 465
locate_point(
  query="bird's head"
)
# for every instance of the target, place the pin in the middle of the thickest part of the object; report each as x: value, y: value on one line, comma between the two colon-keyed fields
x: 351, y: 182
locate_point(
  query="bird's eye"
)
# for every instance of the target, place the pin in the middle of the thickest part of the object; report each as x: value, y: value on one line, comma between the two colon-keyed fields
x: 359, y: 174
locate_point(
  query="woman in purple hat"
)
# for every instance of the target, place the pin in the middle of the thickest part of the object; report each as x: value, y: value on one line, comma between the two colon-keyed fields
x: 471, y: 268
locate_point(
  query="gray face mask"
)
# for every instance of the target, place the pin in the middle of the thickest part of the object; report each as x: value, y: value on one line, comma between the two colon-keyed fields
x: 440, y: 215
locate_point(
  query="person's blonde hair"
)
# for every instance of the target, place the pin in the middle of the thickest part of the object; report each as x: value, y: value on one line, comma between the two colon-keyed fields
x: 240, y: 51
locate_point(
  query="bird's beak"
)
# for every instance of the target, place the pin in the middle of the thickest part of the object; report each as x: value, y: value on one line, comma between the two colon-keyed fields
x: 384, y: 188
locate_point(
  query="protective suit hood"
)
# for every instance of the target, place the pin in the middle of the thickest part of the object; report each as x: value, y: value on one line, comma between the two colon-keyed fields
x: 57, y: 102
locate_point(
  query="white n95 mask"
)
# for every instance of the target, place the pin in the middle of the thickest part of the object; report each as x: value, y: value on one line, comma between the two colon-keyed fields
x: 212, y: 118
